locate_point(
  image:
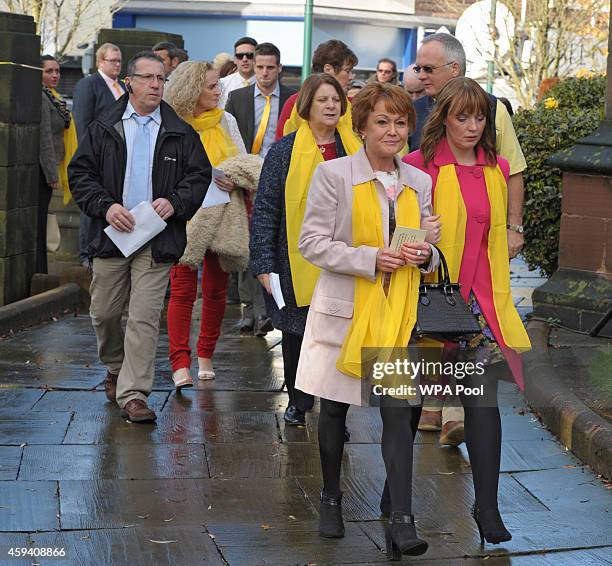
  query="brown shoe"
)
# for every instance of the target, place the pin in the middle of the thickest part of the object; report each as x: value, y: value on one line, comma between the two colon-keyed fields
x: 138, y: 411
x: 452, y: 433
x: 430, y: 420
x: 110, y: 386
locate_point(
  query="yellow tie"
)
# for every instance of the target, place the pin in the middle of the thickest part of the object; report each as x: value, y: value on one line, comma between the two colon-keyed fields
x: 245, y: 82
x: 117, y: 88
x: 263, y: 125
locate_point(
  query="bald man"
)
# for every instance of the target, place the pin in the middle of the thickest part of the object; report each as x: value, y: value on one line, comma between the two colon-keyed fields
x: 413, y: 86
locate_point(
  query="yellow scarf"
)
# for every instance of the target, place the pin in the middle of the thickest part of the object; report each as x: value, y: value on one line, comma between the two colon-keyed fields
x: 305, y: 157
x: 70, y: 147
x: 350, y: 140
x: 216, y: 141
x: 381, y: 322
x: 448, y: 202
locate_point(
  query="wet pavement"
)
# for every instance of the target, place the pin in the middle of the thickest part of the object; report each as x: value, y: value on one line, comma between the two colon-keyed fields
x: 219, y: 479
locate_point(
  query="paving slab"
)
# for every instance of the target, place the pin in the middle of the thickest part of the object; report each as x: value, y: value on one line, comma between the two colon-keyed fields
x: 113, y: 461
x: 20, y: 398
x: 29, y: 506
x: 18, y: 427
x: 10, y: 459
x: 87, y: 402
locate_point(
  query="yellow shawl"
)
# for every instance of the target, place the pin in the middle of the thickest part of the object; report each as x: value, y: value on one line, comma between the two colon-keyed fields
x: 216, y: 141
x: 305, y: 157
x: 448, y: 202
x: 70, y: 147
x: 381, y: 323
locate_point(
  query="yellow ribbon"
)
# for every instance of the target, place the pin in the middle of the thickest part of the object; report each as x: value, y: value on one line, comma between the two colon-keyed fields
x: 448, y: 202
x: 70, y: 147
x: 381, y: 323
x: 263, y: 125
x: 350, y: 140
x: 216, y: 141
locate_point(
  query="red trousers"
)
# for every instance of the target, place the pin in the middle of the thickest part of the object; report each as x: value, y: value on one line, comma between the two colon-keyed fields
x: 183, y: 293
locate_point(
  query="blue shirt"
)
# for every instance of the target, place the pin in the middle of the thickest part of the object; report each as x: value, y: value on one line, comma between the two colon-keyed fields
x: 130, y: 129
x: 260, y: 104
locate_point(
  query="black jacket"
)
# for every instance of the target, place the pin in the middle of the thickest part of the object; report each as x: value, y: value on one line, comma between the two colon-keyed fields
x: 181, y: 174
x: 241, y: 105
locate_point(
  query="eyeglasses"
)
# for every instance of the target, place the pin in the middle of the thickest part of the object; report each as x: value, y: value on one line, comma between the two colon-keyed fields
x: 148, y: 78
x: 113, y: 61
x: 428, y: 69
x: 249, y: 55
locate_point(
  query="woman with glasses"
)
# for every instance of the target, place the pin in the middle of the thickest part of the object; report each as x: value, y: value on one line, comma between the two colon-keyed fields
x: 193, y: 92
x: 470, y: 195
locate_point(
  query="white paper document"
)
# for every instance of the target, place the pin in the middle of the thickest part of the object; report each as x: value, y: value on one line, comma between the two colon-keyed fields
x: 148, y: 225
x: 214, y: 195
x: 277, y: 294
x: 403, y: 235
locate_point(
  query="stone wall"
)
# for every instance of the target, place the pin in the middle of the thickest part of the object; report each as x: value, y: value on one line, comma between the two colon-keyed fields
x: 20, y: 99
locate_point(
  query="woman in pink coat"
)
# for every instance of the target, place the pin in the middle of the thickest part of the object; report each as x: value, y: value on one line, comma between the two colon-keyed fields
x: 470, y: 194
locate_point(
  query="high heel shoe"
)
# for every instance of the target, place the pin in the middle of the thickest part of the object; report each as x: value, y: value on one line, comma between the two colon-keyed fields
x: 330, y: 517
x: 401, y: 537
x: 490, y: 526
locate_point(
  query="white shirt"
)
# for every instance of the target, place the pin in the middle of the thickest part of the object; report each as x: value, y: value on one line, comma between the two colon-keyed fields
x: 230, y: 83
x: 130, y: 130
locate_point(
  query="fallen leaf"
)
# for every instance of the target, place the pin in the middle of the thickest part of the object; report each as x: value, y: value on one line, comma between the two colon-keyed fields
x: 209, y: 507
x: 143, y: 516
x: 168, y: 520
x: 266, y: 527
x: 568, y: 466
x: 162, y: 541
x: 211, y: 536
x: 292, y: 518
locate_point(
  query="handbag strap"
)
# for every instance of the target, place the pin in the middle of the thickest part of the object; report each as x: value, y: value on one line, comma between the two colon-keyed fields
x: 443, y: 275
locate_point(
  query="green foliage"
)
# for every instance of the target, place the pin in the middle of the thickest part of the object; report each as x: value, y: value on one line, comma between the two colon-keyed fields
x: 543, y: 132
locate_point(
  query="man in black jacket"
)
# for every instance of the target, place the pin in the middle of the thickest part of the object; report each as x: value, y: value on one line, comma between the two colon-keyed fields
x: 140, y: 150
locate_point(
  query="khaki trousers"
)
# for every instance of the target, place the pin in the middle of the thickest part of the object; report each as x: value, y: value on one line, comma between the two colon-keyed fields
x: 131, y: 355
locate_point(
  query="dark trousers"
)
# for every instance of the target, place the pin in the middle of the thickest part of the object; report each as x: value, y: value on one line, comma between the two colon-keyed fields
x: 84, y: 223
x: 44, y: 198
x: 292, y: 344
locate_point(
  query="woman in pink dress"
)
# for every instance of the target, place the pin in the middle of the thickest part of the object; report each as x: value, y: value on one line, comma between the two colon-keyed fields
x: 469, y: 186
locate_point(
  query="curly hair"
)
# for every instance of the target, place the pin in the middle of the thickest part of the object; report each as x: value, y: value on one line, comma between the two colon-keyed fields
x: 459, y: 96
x: 185, y: 86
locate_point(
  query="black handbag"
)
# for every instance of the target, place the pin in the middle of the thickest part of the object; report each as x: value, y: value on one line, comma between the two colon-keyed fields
x: 441, y: 311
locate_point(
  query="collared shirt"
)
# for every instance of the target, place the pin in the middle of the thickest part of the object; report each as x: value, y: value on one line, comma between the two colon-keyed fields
x: 130, y: 130
x: 260, y: 104
x: 109, y: 83
x: 230, y: 83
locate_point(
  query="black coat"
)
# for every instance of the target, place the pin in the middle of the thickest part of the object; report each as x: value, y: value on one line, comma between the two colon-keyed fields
x: 241, y: 105
x: 91, y: 98
x: 268, y: 245
x: 181, y: 174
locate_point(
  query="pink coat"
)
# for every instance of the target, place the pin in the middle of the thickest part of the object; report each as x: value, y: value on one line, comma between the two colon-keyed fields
x: 326, y: 241
x: 475, y: 272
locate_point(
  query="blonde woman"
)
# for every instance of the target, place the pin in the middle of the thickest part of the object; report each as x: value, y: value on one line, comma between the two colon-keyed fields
x: 194, y: 93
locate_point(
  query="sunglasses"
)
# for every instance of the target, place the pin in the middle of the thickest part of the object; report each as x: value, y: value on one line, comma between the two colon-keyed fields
x: 249, y: 55
x: 428, y: 69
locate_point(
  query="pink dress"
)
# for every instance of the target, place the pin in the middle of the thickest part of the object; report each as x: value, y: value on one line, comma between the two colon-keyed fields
x: 475, y: 271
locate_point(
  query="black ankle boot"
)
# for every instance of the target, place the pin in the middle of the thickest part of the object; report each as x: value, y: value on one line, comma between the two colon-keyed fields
x: 401, y: 537
x: 490, y: 525
x: 330, y: 517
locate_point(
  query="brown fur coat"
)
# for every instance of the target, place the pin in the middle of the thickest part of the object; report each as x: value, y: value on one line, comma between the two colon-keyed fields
x: 224, y: 229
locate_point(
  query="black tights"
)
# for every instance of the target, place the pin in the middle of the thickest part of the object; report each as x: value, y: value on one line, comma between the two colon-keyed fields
x: 399, y: 424
x: 482, y: 438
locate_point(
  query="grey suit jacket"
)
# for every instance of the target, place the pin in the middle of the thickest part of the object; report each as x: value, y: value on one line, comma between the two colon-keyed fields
x: 51, y: 140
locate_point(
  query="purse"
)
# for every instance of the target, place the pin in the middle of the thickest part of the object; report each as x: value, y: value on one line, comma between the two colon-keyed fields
x: 441, y: 310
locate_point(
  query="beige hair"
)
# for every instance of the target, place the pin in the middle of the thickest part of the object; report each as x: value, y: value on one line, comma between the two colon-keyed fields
x: 220, y: 60
x: 103, y: 50
x: 185, y: 86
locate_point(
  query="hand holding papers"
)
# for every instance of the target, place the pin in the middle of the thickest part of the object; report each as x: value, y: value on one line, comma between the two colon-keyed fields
x: 148, y: 225
x: 214, y: 195
x: 403, y: 235
x: 277, y: 294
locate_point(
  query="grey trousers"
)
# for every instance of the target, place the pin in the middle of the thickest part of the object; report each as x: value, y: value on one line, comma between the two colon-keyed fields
x: 143, y: 283
x: 251, y: 296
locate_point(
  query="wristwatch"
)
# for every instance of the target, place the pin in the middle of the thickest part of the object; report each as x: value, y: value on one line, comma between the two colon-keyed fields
x: 515, y: 228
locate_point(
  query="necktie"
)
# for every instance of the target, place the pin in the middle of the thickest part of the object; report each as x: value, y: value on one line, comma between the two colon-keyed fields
x: 138, y: 189
x: 117, y: 89
x: 263, y: 125
x: 245, y: 82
